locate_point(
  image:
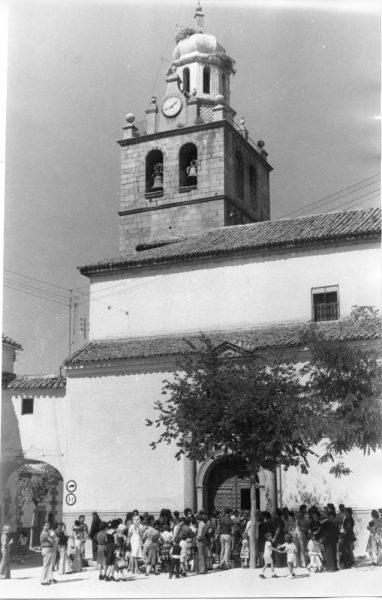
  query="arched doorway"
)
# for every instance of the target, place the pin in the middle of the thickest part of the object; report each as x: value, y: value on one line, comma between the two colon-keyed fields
x: 32, y: 494
x: 228, y: 484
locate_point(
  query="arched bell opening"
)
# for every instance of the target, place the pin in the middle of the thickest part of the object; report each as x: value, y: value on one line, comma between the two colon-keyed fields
x: 188, y: 165
x: 154, y: 171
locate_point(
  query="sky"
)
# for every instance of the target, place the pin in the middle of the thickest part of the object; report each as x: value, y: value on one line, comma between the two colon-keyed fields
x: 307, y: 83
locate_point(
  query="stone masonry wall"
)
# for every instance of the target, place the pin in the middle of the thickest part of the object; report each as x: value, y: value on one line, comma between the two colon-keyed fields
x: 138, y: 227
x: 256, y: 200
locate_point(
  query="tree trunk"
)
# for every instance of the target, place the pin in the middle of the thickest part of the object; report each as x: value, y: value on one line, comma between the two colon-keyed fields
x: 252, y: 529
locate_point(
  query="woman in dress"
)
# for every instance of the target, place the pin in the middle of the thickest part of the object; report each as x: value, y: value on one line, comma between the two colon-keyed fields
x: 101, y: 548
x: 5, y: 565
x: 347, y: 539
x: 135, y: 539
x: 278, y: 538
x: 77, y: 541
x: 374, y: 544
x: 110, y: 549
x: 165, y: 548
x: 150, y: 547
x: 64, y: 565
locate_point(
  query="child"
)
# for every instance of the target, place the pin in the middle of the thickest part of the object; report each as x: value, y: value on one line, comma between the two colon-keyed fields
x: 22, y: 547
x: 175, y: 560
x: 291, y: 553
x: 268, y: 560
x: 315, y: 556
x: 244, y: 552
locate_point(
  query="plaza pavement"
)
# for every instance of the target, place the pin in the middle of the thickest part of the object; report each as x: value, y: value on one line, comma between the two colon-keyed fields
x: 361, y: 581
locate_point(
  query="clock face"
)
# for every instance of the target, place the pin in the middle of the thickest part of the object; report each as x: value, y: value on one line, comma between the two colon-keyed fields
x: 171, y: 106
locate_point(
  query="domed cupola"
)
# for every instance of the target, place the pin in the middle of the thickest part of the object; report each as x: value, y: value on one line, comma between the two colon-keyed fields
x: 202, y: 63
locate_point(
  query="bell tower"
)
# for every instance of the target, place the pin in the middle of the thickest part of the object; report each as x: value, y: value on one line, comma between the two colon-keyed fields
x: 189, y: 166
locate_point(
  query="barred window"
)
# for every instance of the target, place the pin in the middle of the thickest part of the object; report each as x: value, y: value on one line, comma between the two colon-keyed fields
x: 325, y: 303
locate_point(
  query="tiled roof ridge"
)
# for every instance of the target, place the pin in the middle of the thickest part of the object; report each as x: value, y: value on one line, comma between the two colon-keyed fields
x: 38, y: 382
x: 280, y: 335
x: 11, y: 342
x: 282, y: 233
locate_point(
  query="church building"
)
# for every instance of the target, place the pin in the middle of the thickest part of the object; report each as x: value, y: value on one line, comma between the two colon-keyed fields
x: 199, y: 253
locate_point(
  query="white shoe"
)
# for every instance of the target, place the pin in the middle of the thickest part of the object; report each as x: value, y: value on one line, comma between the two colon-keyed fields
x: 290, y: 577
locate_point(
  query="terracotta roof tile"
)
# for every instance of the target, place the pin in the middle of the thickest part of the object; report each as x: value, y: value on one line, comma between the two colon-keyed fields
x: 38, y: 382
x: 284, y: 233
x: 10, y: 342
x: 276, y: 336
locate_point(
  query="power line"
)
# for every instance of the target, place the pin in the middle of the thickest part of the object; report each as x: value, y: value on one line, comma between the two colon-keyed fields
x: 36, y: 289
x: 340, y: 193
x: 24, y: 291
x: 38, y: 280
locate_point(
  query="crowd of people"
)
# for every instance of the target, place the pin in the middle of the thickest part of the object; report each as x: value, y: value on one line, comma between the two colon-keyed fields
x: 176, y: 544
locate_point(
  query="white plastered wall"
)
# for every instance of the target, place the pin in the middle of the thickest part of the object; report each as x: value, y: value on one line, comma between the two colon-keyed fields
x: 230, y: 293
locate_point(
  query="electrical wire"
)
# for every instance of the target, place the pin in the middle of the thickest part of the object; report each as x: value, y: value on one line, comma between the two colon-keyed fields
x: 38, y: 280
x: 27, y: 286
x: 8, y: 285
x: 336, y: 195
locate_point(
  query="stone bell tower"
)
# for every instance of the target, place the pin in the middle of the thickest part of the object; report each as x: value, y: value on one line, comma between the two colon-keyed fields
x: 189, y: 166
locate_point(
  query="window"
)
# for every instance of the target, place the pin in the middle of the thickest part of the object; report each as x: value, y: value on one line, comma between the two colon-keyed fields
x: 252, y: 177
x: 27, y: 406
x: 154, y: 172
x: 206, y: 80
x: 239, y: 174
x: 186, y: 79
x: 188, y: 165
x: 224, y: 85
x: 325, y: 303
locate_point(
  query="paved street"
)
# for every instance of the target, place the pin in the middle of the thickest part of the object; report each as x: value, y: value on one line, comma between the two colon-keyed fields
x: 361, y: 581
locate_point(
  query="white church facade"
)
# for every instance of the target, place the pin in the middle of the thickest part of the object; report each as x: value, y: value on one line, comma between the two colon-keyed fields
x: 199, y: 254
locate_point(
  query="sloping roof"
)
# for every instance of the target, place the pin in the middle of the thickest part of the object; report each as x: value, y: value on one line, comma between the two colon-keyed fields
x: 276, y: 336
x: 266, y: 235
x: 10, y: 342
x: 38, y: 382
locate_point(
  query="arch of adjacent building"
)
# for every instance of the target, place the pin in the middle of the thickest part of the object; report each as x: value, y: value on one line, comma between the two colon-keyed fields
x: 24, y: 515
x: 235, y: 490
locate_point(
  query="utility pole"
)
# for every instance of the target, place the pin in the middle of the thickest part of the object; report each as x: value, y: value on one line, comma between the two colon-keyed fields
x: 70, y: 321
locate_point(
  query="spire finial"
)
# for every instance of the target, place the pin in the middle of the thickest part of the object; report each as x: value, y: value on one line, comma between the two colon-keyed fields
x: 199, y: 18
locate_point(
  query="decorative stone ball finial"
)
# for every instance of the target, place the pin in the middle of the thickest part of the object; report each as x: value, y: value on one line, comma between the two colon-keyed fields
x: 242, y: 122
x: 153, y: 100
x: 130, y: 118
x: 261, y: 144
x: 173, y: 68
x: 219, y: 98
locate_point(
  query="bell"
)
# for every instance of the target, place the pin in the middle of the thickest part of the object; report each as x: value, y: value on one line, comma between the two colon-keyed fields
x: 158, y: 177
x: 192, y: 170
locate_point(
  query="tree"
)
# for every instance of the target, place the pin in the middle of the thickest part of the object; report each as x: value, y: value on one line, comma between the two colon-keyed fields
x: 347, y: 381
x: 266, y: 412
x: 251, y: 409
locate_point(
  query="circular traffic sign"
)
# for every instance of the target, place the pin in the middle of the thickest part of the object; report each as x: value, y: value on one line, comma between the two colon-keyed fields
x: 70, y: 499
x: 71, y: 485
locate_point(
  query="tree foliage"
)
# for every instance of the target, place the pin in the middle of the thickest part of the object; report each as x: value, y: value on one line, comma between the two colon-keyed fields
x: 244, y: 406
x: 265, y: 411
x: 346, y: 380
x: 36, y: 483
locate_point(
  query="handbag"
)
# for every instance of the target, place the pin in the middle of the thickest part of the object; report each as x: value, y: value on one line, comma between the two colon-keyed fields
x: 121, y: 563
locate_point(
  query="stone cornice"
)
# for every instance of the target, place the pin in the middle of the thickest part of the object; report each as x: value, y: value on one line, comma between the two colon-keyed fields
x: 224, y: 123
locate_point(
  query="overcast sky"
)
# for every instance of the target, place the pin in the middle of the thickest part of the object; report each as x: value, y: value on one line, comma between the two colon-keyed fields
x: 307, y: 83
